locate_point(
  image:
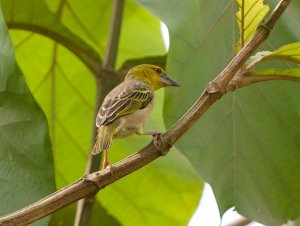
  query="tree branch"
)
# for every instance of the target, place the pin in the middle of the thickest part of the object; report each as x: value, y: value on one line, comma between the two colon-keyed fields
x: 246, y: 80
x: 110, y: 58
x: 92, y: 183
x: 104, y: 84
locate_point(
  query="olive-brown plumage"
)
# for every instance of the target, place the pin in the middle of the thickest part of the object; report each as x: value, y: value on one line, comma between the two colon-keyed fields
x: 127, y: 107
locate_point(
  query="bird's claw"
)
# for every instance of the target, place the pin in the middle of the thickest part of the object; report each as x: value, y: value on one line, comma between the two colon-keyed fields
x: 157, y: 139
x: 108, y: 167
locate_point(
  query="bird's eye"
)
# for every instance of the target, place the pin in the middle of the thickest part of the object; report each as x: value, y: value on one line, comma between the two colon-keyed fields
x: 157, y: 70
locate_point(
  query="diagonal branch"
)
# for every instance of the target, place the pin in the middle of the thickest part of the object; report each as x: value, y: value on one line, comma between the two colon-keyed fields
x: 92, y: 183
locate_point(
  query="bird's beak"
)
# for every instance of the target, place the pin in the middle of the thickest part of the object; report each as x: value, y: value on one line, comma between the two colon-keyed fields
x: 168, y: 81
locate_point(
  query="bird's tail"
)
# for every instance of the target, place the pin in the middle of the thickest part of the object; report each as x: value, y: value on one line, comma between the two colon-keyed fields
x: 103, y: 139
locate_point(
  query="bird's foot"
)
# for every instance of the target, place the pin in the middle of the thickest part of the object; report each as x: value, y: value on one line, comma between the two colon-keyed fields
x: 157, y: 139
x: 159, y: 143
x: 107, y: 166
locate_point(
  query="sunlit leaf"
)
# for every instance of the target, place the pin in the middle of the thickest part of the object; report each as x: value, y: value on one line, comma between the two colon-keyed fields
x: 289, y: 52
x: 249, y: 16
x: 26, y: 163
x: 34, y: 16
x: 65, y: 89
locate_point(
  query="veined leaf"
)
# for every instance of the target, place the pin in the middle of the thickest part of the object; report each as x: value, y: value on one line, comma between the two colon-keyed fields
x: 246, y: 145
x: 289, y: 52
x: 249, y: 16
x: 64, y: 87
x: 35, y: 16
x: 293, y: 73
x: 26, y: 162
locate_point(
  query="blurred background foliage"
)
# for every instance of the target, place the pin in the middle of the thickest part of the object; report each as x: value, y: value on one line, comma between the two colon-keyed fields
x: 55, y: 43
x: 246, y: 145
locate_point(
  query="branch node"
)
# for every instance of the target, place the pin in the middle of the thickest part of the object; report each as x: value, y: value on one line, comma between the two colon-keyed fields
x: 165, y: 150
x: 163, y: 147
x: 212, y: 87
x: 87, y: 179
x: 266, y: 28
x: 232, y: 86
x: 236, y: 82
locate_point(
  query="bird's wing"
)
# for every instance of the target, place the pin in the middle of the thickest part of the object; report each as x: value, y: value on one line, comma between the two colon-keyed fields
x: 128, y: 101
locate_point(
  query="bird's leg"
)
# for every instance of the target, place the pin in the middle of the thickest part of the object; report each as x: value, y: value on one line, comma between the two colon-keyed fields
x: 105, y: 161
x: 156, y: 136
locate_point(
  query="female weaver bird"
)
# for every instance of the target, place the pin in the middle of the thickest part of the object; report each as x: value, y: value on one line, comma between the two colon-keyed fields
x: 126, y: 108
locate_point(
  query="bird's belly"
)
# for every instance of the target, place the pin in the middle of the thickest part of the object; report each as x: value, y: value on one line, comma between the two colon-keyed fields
x: 130, y: 124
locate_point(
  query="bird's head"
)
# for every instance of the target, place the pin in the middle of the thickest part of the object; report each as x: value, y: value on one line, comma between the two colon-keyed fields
x: 153, y: 75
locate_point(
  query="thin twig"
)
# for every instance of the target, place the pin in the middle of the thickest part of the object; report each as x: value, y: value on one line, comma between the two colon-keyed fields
x: 246, y: 80
x: 92, y: 183
x: 110, y: 58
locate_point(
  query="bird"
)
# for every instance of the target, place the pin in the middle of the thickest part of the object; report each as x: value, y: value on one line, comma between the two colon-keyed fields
x: 127, y: 107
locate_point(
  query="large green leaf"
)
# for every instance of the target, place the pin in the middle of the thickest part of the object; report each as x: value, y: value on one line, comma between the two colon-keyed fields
x: 90, y: 20
x: 35, y: 16
x: 26, y: 164
x: 246, y: 146
x: 64, y: 87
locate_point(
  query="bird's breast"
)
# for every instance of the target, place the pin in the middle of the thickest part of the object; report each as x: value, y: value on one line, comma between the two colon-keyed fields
x: 130, y: 124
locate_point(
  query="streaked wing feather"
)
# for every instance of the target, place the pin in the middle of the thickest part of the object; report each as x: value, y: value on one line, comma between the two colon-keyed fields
x: 128, y: 102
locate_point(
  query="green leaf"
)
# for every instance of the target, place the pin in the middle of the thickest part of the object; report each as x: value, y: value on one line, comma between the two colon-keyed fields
x: 249, y: 16
x: 64, y: 87
x: 34, y: 16
x: 246, y: 146
x: 26, y: 164
x: 289, y: 52
x: 293, y: 73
